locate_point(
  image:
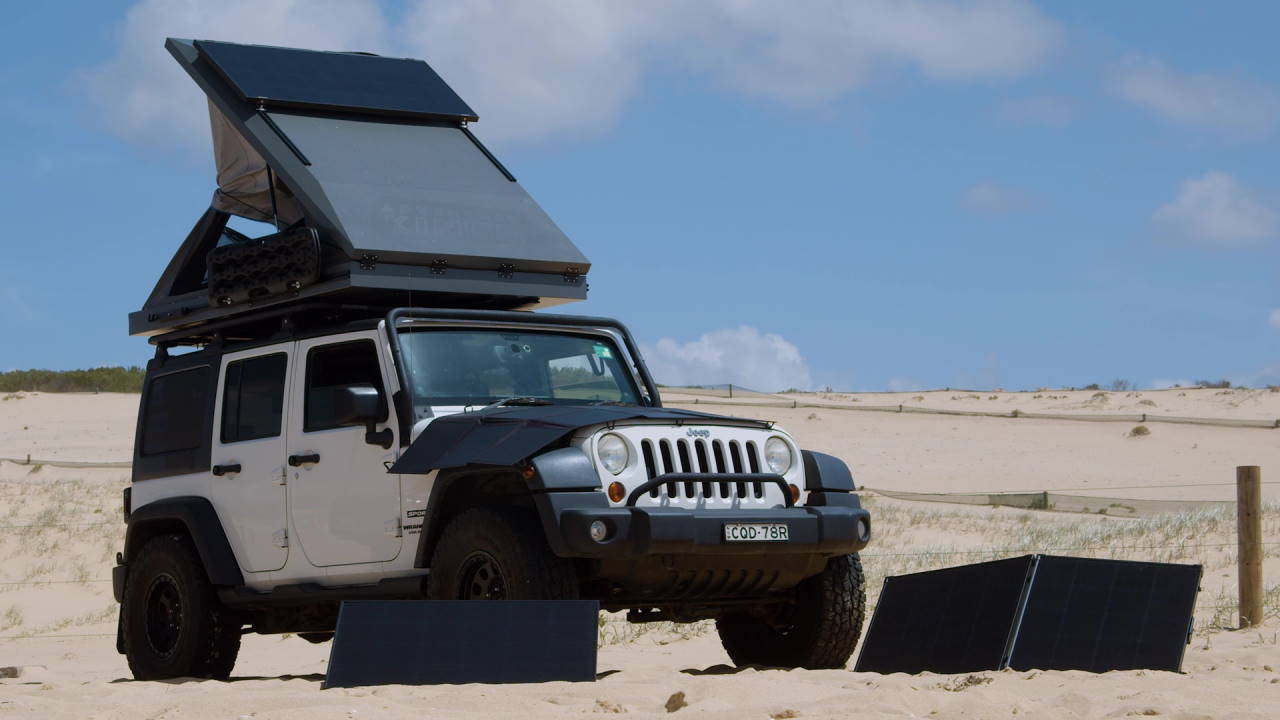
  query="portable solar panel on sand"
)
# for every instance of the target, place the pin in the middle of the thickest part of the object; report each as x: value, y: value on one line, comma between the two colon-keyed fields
x: 458, y: 641
x: 1033, y: 612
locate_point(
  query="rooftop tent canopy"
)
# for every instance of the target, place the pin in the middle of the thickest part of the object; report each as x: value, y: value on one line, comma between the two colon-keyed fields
x: 371, y: 156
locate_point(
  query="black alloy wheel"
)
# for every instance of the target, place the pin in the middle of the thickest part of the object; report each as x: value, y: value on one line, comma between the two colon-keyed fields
x: 164, y: 615
x: 498, y: 553
x: 482, y: 578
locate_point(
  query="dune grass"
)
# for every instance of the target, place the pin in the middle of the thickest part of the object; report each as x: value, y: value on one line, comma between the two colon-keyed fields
x: 72, y: 530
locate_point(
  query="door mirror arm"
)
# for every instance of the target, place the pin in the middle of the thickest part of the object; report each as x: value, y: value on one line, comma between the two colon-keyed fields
x: 383, y: 437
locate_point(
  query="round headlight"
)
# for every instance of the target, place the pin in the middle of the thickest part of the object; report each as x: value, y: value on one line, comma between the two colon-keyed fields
x: 613, y: 453
x: 777, y: 453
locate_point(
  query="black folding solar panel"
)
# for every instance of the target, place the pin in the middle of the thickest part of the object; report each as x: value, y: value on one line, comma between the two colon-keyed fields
x: 401, y: 190
x: 945, y: 621
x: 288, y: 77
x: 1100, y: 615
x: 431, y: 642
x: 1033, y: 612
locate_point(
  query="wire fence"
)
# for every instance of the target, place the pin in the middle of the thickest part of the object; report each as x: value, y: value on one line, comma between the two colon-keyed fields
x: 740, y: 398
x: 1043, y: 550
x: 68, y: 463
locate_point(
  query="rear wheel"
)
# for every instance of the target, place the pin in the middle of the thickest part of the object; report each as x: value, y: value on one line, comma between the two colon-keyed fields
x: 173, y: 624
x: 498, y: 554
x: 819, y: 630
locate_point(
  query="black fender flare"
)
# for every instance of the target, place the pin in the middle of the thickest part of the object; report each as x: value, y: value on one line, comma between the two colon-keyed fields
x: 826, y: 473
x: 197, y: 518
x: 561, y: 475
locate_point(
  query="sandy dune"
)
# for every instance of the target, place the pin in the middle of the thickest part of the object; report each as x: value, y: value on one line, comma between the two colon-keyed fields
x: 59, y: 528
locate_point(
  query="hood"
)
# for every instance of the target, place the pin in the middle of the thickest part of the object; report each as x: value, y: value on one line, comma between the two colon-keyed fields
x: 504, y: 436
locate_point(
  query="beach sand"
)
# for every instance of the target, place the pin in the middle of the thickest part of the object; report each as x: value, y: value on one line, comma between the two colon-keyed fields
x: 61, y: 528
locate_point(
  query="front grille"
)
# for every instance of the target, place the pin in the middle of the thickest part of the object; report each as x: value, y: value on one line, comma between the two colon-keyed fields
x: 706, y: 457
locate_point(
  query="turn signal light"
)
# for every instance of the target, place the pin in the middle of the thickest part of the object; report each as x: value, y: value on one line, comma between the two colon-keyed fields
x: 617, y: 492
x: 795, y: 493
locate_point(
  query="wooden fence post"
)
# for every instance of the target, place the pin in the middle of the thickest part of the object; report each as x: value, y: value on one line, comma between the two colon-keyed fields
x: 1249, y: 540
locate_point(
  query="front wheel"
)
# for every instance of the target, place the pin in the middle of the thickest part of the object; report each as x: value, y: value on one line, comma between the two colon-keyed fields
x: 819, y: 630
x: 498, y: 554
x: 172, y: 622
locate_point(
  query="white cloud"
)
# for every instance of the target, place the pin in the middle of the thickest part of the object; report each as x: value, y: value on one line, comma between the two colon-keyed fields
x: 143, y: 96
x: 992, y: 198
x: 742, y: 356
x: 1216, y: 210
x: 1274, y: 318
x: 534, y: 69
x: 540, y: 69
x: 1232, y: 106
x: 767, y: 49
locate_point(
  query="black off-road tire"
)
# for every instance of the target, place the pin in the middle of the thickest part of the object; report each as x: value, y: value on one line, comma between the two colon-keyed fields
x: 818, y: 631
x: 173, y: 624
x: 498, y: 554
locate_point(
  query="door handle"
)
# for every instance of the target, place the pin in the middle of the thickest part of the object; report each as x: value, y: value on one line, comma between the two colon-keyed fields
x: 221, y: 470
x: 296, y: 460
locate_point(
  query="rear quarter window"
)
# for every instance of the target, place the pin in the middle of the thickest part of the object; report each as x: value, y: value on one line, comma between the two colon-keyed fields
x: 172, y: 418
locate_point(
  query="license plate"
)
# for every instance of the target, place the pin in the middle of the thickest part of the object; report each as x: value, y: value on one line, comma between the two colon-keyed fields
x: 755, y: 532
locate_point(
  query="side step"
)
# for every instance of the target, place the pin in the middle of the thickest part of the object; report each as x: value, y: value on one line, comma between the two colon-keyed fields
x: 406, y: 588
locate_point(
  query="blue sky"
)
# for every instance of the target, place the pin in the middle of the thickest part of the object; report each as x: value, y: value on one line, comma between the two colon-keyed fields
x: 866, y: 195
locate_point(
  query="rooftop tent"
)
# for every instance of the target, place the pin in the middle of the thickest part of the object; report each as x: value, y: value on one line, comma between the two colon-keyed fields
x: 379, y: 192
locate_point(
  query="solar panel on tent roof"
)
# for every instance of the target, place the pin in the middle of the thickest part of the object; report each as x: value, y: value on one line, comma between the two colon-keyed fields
x: 285, y: 77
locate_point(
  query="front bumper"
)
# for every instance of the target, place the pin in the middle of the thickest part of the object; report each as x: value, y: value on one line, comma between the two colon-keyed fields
x: 828, y: 524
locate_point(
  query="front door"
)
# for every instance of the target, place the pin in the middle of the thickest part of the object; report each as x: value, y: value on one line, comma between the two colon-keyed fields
x: 248, y: 487
x: 344, y: 504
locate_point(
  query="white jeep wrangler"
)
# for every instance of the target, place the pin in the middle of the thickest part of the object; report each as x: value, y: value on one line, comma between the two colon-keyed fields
x: 322, y: 444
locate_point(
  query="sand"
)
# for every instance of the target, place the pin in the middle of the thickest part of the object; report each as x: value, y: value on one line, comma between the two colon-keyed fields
x: 1228, y: 674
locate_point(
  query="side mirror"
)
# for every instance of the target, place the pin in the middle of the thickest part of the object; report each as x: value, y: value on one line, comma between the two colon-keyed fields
x: 355, y: 405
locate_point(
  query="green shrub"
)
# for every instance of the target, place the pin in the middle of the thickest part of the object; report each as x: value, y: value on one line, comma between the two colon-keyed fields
x: 102, y: 379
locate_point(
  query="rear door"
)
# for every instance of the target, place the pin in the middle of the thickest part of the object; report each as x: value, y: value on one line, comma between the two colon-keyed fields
x: 344, y: 504
x: 248, y: 455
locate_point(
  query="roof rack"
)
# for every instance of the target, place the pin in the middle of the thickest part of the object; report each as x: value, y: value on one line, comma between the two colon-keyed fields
x: 274, y: 323
x: 378, y: 191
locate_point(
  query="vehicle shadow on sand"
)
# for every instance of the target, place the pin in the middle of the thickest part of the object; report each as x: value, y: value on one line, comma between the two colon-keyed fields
x: 312, y: 677
x: 723, y: 669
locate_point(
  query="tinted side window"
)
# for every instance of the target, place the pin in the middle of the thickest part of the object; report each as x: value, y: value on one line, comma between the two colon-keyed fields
x: 331, y: 366
x: 253, y: 398
x: 172, y: 419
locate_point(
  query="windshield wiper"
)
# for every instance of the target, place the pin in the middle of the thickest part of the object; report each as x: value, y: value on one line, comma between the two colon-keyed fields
x: 525, y: 401
x: 611, y: 402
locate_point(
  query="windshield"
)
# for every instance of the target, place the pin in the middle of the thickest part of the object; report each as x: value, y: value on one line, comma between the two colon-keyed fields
x: 481, y: 367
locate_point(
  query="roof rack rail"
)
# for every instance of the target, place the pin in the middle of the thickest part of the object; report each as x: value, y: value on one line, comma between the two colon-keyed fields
x: 268, y: 323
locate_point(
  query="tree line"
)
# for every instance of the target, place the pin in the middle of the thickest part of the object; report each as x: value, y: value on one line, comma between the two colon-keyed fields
x: 102, y: 379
